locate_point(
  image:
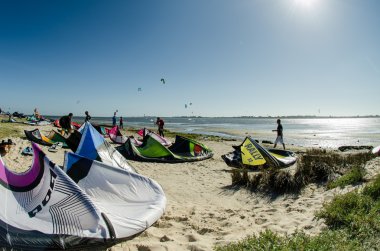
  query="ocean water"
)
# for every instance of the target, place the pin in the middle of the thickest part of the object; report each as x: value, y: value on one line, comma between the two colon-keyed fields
x: 323, y: 132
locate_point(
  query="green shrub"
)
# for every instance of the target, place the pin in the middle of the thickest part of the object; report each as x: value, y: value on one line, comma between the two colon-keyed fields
x: 326, y: 241
x: 359, y: 159
x: 345, y: 210
x: 353, y: 220
x: 8, y: 130
x: 353, y: 176
x: 315, y: 166
x: 373, y: 189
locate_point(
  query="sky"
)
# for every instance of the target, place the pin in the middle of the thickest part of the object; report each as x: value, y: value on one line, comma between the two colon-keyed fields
x: 225, y: 57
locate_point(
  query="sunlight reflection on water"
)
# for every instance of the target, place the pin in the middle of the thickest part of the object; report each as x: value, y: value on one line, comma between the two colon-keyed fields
x: 322, y: 132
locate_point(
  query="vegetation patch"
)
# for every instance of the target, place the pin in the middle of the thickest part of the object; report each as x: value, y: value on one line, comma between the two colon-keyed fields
x: 352, y: 177
x: 353, y: 221
x: 268, y: 240
x: 373, y: 190
x: 8, y: 130
x: 315, y: 166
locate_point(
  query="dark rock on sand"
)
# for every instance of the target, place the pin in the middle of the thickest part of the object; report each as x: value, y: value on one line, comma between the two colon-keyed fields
x: 347, y: 148
x: 267, y: 142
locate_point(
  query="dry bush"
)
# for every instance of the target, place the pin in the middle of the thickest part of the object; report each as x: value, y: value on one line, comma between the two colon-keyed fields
x: 315, y: 166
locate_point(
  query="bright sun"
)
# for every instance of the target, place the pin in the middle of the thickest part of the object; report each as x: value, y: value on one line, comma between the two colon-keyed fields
x: 305, y: 3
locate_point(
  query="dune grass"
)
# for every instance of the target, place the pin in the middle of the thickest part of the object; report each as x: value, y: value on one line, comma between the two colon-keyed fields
x: 352, y: 177
x: 268, y: 240
x: 315, y: 166
x: 353, y: 222
x: 8, y: 130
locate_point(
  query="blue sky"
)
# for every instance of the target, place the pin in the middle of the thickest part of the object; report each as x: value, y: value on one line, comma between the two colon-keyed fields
x: 226, y: 57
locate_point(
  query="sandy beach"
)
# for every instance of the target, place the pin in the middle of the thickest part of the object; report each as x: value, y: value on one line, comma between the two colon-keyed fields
x: 202, y: 209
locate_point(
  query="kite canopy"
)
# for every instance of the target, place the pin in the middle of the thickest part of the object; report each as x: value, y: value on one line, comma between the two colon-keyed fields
x: 90, y: 144
x: 376, y: 150
x: 144, y: 132
x: 38, y: 123
x: 116, y: 136
x: 44, y: 209
x: 53, y: 137
x: 183, y: 150
x: 131, y: 201
x: 73, y: 124
x: 101, y: 129
x: 251, y: 154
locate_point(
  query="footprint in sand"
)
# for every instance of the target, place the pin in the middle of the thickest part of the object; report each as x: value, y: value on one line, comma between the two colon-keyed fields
x: 226, y: 224
x: 203, y: 231
x: 191, y: 238
x: 231, y: 212
x: 195, y: 248
x: 221, y: 218
x: 271, y: 210
x: 260, y: 221
x: 164, y: 239
x: 143, y: 248
x: 162, y: 224
x: 176, y: 218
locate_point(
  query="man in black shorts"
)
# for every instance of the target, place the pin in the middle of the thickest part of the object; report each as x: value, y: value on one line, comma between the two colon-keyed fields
x: 279, y: 138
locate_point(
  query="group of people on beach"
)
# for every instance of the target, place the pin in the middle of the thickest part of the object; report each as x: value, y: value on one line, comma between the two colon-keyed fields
x: 121, y: 126
x: 65, y: 123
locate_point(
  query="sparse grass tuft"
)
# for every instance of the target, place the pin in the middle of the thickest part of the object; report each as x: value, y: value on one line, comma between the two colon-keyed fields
x: 8, y: 130
x: 373, y: 189
x: 353, y: 176
x: 353, y: 221
x: 358, y: 213
x: 344, y: 210
x: 239, y: 177
x: 328, y: 240
x: 315, y: 166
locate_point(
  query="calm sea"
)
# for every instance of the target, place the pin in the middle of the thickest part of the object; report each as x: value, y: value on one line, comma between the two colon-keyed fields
x: 323, y: 132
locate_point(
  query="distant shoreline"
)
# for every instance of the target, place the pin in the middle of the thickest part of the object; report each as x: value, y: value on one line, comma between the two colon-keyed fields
x: 255, y: 117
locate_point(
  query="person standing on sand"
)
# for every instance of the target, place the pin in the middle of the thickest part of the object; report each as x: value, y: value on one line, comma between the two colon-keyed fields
x: 160, y: 123
x: 65, y: 122
x: 36, y: 114
x: 114, y: 119
x: 279, y: 138
x: 87, y: 118
x: 121, y: 122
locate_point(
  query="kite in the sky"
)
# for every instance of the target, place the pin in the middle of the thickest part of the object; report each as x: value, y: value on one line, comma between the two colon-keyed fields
x: 163, y: 80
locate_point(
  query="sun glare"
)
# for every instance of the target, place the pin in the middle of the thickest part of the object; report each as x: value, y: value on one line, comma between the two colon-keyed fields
x: 305, y: 3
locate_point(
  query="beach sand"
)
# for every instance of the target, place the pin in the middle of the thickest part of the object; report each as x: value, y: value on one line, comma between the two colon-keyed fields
x: 202, y: 209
